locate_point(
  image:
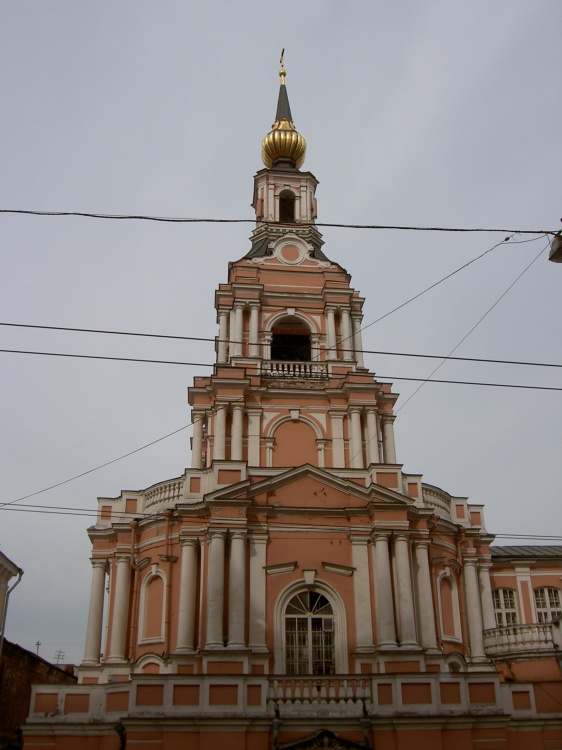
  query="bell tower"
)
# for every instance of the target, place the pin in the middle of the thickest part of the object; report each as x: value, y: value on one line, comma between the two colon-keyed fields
x: 289, y: 386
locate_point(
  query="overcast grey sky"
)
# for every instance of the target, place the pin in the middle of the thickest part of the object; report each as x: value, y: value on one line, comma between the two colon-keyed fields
x: 435, y: 113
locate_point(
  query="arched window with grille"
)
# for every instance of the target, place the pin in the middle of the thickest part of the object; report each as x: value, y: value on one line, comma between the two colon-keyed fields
x: 547, y: 601
x: 505, y: 607
x: 309, y: 634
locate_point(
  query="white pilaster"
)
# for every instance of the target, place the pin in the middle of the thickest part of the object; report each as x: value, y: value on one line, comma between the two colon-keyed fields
x: 347, y: 336
x: 219, y: 449
x: 223, y: 336
x: 215, y: 590
x: 473, y: 611
x: 356, y: 447
x: 362, y: 594
x: 405, y: 597
x: 488, y: 614
x: 254, y: 330
x: 95, y: 614
x: 428, y: 635
x: 254, y: 422
x: 237, y: 590
x: 386, y: 632
x: 187, y: 599
x: 357, y: 340
x: 267, y: 336
x: 236, y: 438
x: 338, y: 453
x: 389, y: 448
x: 258, y: 561
x: 331, y: 334
x: 120, y: 609
x: 197, y: 444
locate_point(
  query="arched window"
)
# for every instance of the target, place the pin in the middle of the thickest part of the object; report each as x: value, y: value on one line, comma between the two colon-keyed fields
x: 286, y: 207
x: 547, y: 601
x: 504, y: 606
x: 309, y: 634
x: 290, y: 341
x: 152, y: 606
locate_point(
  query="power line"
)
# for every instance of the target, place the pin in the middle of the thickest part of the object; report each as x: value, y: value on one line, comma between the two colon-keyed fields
x: 229, y: 341
x: 340, y: 377
x: 474, y: 327
x: 185, y: 220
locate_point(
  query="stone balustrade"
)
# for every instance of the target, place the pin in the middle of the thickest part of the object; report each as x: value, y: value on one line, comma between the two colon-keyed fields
x: 513, y: 641
x: 164, y: 493
x: 278, y: 369
x: 437, y: 499
x: 319, y: 689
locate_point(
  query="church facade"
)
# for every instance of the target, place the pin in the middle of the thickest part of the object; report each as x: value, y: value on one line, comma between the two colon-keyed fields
x: 295, y: 588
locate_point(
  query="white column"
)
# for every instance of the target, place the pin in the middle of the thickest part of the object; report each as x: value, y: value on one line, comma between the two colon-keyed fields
x: 488, y: 613
x: 197, y: 444
x: 120, y: 609
x: 254, y: 422
x: 267, y: 336
x: 314, y: 348
x: 362, y: 594
x: 428, y: 635
x: 237, y: 590
x: 404, y: 591
x: 231, y: 333
x: 356, y: 446
x: 219, y: 449
x: 223, y: 336
x: 372, y: 437
x: 383, y: 593
x: 238, y: 334
x: 95, y: 614
x: 357, y: 340
x: 258, y: 561
x: 215, y: 590
x: 347, y: 336
x: 389, y: 448
x: 236, y: 437
x: 254, y: 332
x: 338, y: 453
x: 473, y: 612
x: 187, y: 599
x: 331, y: 334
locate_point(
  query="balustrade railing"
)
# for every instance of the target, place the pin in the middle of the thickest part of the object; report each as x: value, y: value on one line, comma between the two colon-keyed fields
x: 519, y: 639
x: 318, y: 689
x: 282, y: 369
x: 437, y: 499
x: 165, y: 492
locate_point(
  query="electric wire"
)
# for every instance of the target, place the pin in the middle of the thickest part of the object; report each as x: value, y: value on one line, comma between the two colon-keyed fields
x: 474, y: 327
x: 186, y: 220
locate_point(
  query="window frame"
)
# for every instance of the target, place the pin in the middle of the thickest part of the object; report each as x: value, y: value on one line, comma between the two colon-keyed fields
x: 550, y: 610
x: 505, y: 615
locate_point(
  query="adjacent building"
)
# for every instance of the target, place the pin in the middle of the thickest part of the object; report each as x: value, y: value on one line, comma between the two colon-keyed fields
x: 296, y: 588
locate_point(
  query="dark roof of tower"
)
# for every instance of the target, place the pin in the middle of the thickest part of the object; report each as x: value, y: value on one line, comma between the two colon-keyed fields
x: 283, y: 106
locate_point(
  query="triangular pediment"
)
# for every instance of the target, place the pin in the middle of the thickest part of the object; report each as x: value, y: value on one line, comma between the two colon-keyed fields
x: 308, y: 486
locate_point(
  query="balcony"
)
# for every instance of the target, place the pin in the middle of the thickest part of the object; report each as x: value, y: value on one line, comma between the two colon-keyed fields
x: 520, y: 641
x: 291, y: 371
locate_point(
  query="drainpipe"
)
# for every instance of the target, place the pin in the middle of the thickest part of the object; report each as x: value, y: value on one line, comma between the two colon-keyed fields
x: 5, y: 612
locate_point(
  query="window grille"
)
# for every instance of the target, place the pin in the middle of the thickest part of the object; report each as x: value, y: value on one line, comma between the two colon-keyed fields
x: 547, y: 601
x: 309, y: 635
x: 504, y: 605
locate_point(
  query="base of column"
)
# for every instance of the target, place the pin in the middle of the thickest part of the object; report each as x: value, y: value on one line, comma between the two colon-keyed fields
x: 410, y: 646
x: 387, y: 646
x: 184, y: 650
x: 90, y: 663
x: 116, y: 660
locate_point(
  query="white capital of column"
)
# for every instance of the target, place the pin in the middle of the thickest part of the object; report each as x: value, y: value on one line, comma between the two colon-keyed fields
x: 383, y: 593
x: 120, y: 609
x: 405, y: 594
x: 95, y: 614
x: 254, y: 332
x: 187, y: 600
x: 389, y: 448
x: 425, y: 595
x: 473, y: 611
x: 236, y: 438
x: 237, y: 590
x: 215, y: 590
x: 347, y: 336
x: 356, y: 458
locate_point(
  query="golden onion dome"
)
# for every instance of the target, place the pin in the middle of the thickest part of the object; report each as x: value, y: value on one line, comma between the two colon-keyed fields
x: 283, y: 141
